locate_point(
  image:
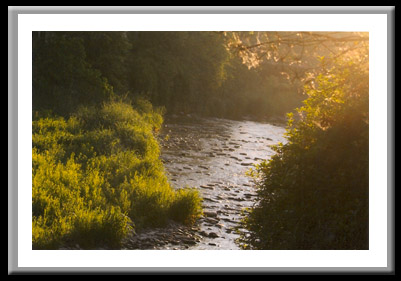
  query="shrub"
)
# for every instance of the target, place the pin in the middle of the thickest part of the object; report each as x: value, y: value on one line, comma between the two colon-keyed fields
x: 186, y: 207
x: 96, y: 228
x: 313, y: 194
x: 98, y: 174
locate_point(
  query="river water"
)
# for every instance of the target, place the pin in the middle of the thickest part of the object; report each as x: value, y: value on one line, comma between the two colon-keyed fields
x: 212, y: 155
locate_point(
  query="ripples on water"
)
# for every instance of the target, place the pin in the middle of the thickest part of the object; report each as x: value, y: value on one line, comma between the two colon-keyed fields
x: 213, y: 155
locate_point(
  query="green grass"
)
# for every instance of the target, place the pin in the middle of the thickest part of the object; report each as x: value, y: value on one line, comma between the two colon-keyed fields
x: 97, y: 175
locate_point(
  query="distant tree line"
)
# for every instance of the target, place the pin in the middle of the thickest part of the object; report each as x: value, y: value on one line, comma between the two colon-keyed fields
x: 186, y: 72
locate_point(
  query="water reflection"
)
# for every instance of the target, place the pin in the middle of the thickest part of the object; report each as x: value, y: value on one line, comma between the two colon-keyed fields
x: 213, y: 155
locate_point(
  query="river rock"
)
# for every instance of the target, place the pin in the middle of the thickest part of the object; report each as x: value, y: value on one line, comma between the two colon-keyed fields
x: 212, y: 221
x: 189, y: 241
x: 203, y: 233
x: 210, y: 214
x: 236, y: 199
x: 210, y: 144
x: 207, y: 187
x: 210, y: 200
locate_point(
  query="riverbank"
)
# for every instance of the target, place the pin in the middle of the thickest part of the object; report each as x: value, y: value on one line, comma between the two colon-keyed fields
x: 97, y: 176
x: 213, y: 156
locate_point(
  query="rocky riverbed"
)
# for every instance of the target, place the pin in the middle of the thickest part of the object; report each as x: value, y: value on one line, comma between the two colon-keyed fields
x: 212, y: 155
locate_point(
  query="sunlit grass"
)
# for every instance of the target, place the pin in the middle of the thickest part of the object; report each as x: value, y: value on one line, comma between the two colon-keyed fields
x: 97, y: 175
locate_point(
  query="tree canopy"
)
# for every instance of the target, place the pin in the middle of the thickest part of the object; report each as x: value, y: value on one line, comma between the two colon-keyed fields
x: 314, y: 193
x: 186, y: 72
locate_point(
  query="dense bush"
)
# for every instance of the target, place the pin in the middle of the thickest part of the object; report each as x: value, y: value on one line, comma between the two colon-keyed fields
x: 313, y: 194
x: 97, y: 174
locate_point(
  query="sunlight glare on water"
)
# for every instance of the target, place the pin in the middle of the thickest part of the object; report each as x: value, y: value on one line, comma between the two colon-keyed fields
x: 214, y: 155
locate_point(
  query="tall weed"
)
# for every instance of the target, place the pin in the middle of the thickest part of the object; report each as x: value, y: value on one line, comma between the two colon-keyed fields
x: 98, y: 174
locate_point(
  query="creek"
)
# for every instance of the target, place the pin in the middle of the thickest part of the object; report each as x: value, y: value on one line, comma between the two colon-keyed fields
x: 212, y: 155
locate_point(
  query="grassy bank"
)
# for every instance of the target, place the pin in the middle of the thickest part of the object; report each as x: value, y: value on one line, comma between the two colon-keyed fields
x: 97, y: 175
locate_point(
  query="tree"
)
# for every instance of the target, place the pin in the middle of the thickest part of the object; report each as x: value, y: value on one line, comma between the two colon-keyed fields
x: 313, y: 194
x: 62, y: 77
x: 296, y: 53
x: 180, y: 70
x: 108, y: 52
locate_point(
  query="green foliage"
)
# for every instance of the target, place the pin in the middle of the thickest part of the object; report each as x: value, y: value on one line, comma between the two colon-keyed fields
x: 62, y: 77
x: 186, y: 72
x: 194, y: 72
x: 97, y: 174
x: 179, y: 70
x: 108, y: 53
x: 186, y: 207
x: 313, y: 194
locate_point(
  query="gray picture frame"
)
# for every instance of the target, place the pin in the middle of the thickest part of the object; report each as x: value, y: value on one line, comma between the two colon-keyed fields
x: 14, y: 11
